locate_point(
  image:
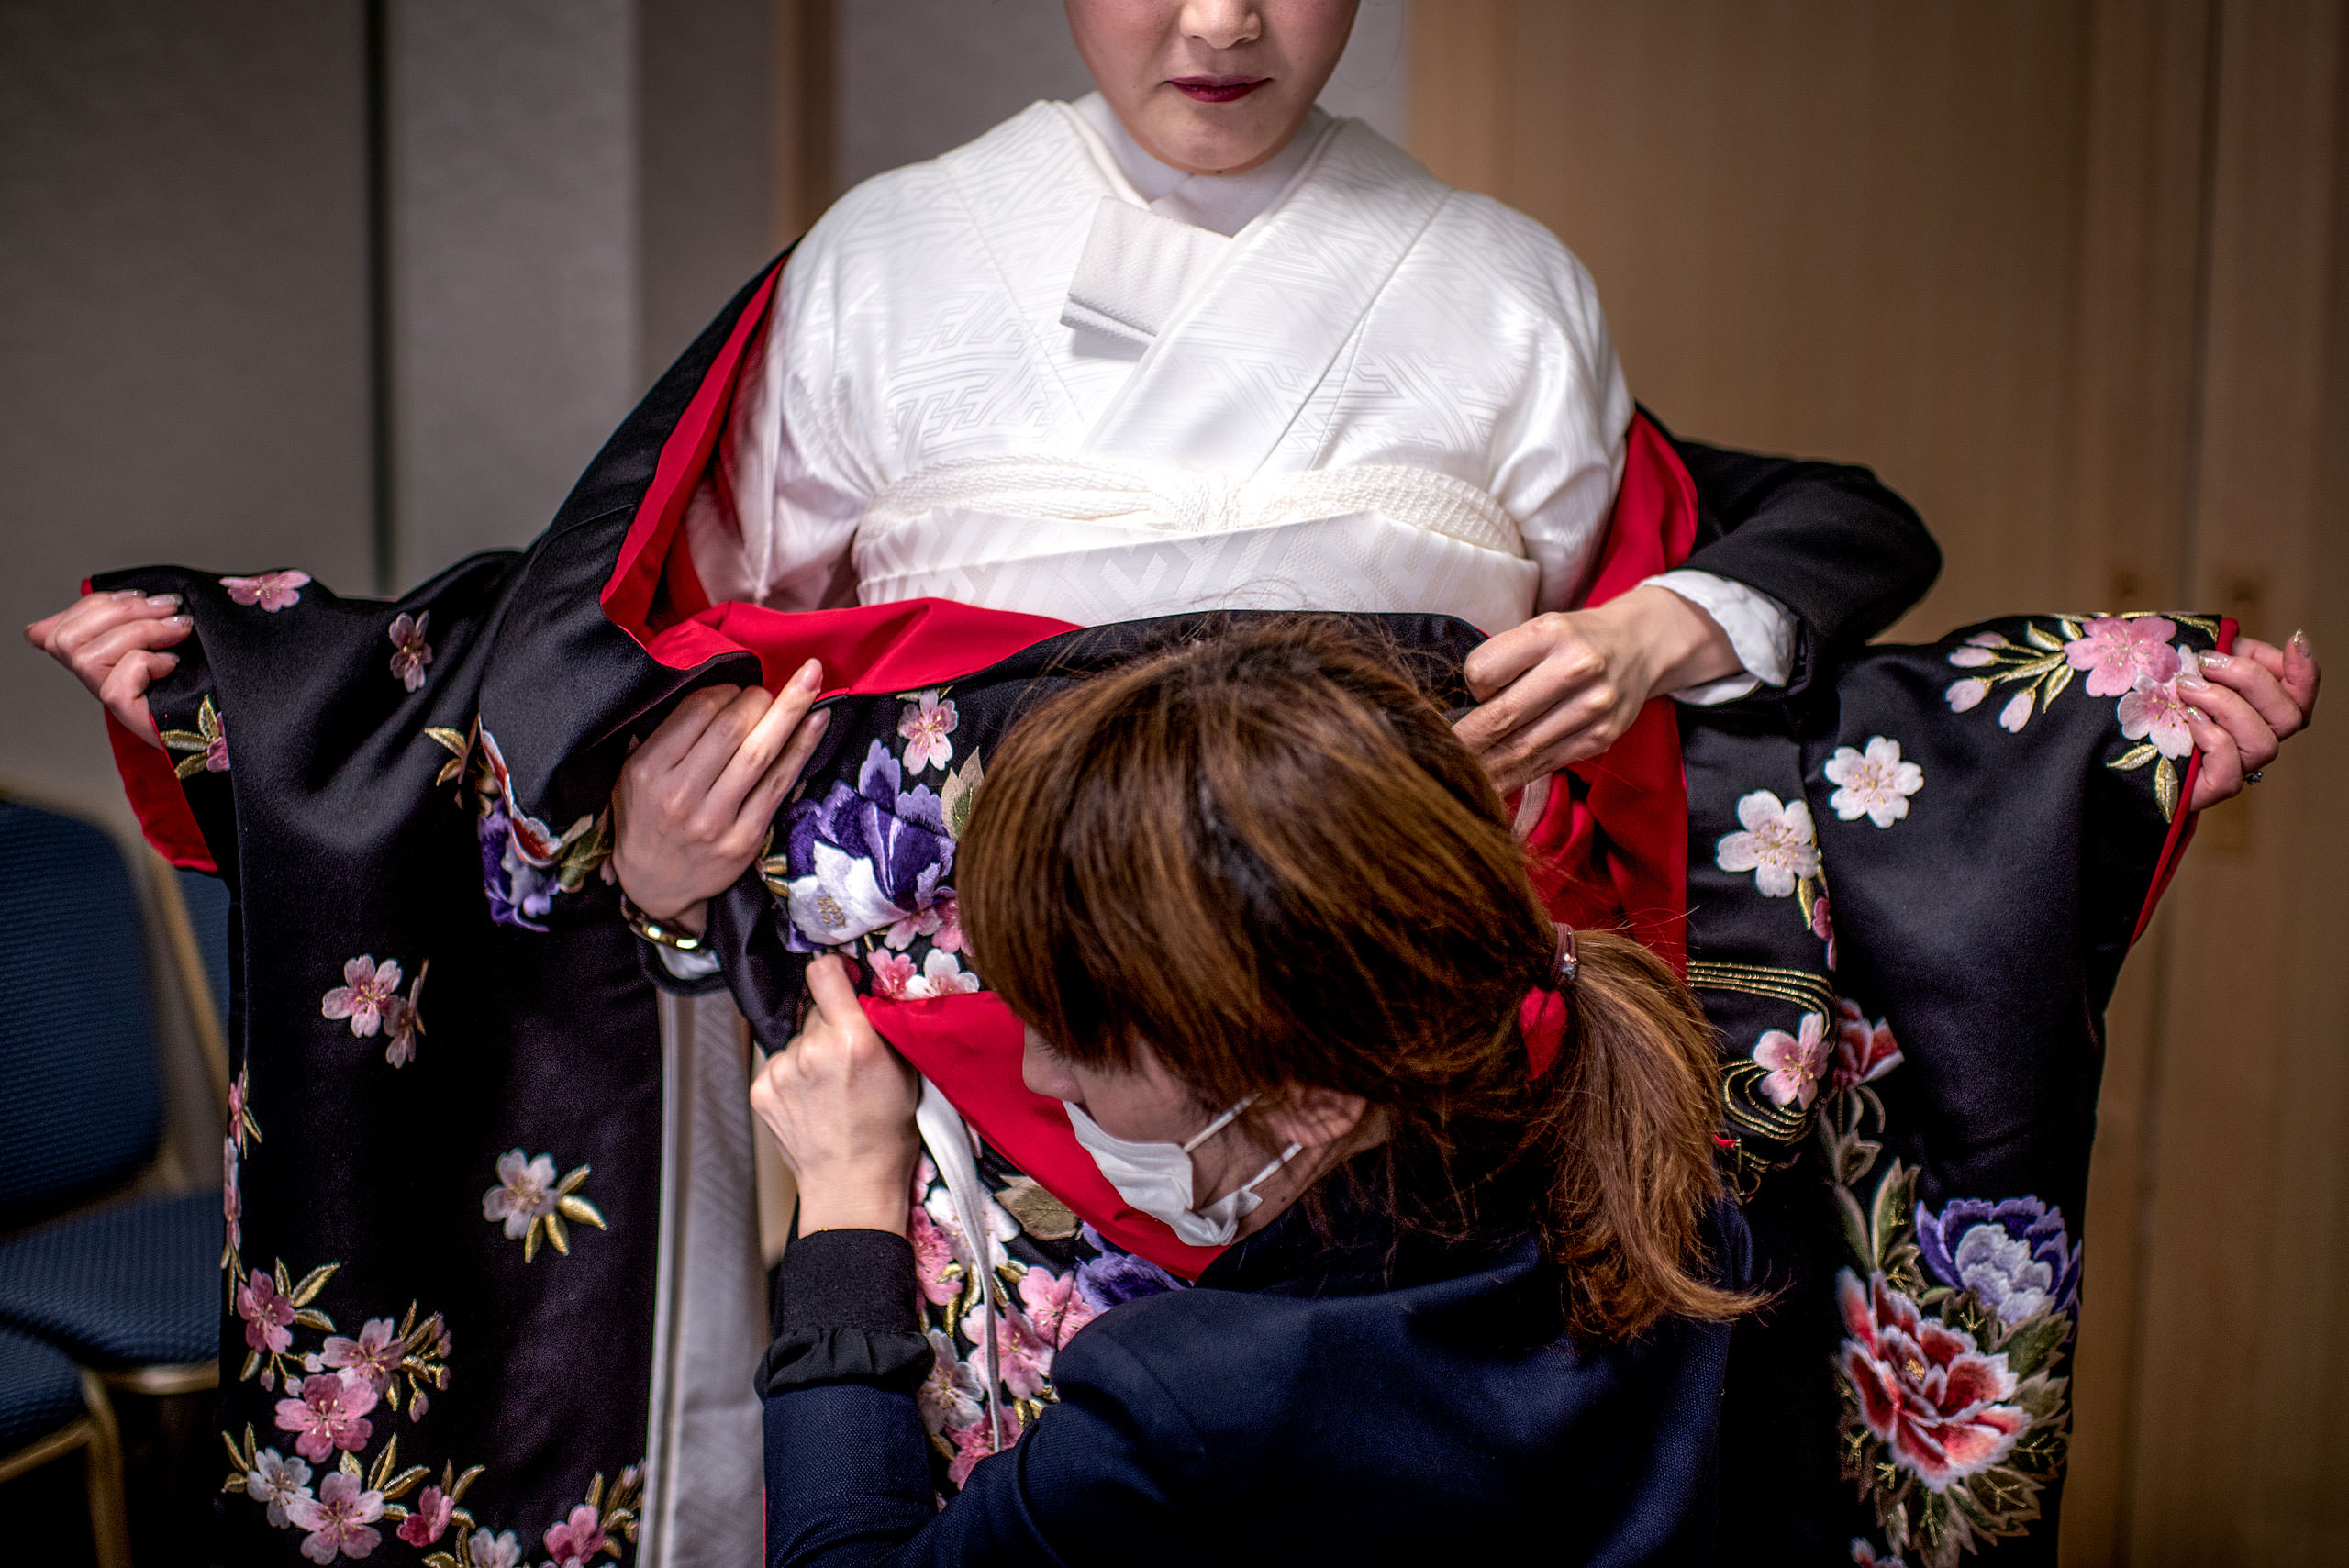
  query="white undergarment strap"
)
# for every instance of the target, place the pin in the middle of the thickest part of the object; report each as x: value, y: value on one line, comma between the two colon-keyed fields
x: 1178, y: 501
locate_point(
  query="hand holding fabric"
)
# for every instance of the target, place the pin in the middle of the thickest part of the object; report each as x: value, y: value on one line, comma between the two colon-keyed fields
x: 2245, y: 707
x: 693, y: 803
x: 1565, y: 685
x: 114, y: 644
x: 840, y: 1102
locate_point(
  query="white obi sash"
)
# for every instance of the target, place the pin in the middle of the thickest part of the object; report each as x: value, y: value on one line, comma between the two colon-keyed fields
x: 1107, y: 539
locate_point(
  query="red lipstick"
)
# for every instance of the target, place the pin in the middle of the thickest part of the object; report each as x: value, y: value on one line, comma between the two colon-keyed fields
x: 1217, y: 89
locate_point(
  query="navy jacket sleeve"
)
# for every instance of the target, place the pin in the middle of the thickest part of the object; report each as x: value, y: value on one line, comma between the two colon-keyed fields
x: 848, y: 1477
x: 1829, y: 541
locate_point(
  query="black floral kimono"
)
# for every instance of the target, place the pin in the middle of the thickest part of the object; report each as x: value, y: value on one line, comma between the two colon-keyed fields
x: 1902, y: 896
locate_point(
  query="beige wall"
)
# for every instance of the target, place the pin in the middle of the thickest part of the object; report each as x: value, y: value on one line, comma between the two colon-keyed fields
x: 2069, y: 273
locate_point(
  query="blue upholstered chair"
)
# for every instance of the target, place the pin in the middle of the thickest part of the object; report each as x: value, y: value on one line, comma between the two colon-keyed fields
x: 48, y: 1408
x: 132, y: 1289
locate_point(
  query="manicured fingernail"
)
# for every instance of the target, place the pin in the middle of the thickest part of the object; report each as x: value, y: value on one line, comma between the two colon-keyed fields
x: 2301, y: 642
x: 165, y: 601
x: 810, y: 677
x: 2190, y: 677
x: 179, y: 620
x: 128, y: 594
x: 2213, y: 660
x: 2197, y: 715
x: 818, y: 723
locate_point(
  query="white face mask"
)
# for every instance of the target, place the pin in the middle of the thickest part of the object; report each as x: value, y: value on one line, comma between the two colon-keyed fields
x: 1156, y: 1177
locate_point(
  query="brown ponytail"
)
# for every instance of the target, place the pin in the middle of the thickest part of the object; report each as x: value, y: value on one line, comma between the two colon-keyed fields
x: 1265, y: 855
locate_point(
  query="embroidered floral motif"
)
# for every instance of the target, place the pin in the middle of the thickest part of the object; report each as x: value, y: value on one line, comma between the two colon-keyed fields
x: 208, y: 740
x: 1866, y: 1556
x: 410, y: 652
x: 1876, y: 784
x: 1116, y: 1276
x: 272, y: 591
x: 503, y: 1549
x: 924, y: 727
x: 2131, y: 657
x: 1779, y: 845
x: 2012, y: 1255
x: 269, y: 1312
x: 373, y: 1357
x: 278, y: 1482
x: 338, y: 1519
x: 429, y: 1519
x: 331, y: 1414
x: 366, y: 992
x: 1055, y: 1307
x: 1955, y: 1421
x: 861, y: 860
x: 942, y: 975
x: 534, y: 1205
x: 948, y: 1396
x: 524, y: 863
x: 1925, y: 1389
x: 2115, y: 652
x: 1864, y: 1051
x: 1794, y: 1063
x: 598, y: 1525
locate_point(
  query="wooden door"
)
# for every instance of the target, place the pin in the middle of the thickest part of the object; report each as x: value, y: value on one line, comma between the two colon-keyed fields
x: 2069, y: 274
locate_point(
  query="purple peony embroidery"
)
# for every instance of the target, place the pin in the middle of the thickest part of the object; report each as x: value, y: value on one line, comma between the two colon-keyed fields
x: 2012, y: 1255
x: 862, y: 860
x: 519, y: 889
x: 1117, y: 1276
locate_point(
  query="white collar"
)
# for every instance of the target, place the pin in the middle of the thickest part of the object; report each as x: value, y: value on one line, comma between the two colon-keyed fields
x: 1222, y: 204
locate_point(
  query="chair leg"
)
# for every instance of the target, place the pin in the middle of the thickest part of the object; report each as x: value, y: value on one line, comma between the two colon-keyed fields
x: 109, y: 1521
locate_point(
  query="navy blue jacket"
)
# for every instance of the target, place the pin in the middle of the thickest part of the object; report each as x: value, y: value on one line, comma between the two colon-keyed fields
x: 1305, y: 1403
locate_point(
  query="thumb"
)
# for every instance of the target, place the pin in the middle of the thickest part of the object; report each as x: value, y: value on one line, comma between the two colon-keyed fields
x: 2300, y: 673
x: 835, y: 997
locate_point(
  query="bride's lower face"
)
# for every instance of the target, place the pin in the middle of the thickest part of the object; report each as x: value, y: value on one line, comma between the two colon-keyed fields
x: 1212, y: 86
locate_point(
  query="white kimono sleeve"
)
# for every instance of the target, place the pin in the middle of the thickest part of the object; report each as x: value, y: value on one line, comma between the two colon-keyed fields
x: 1567, y: 446
x: 773, y: 522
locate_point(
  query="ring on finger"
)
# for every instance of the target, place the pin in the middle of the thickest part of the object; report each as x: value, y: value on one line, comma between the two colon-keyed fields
x: 2253, y: 776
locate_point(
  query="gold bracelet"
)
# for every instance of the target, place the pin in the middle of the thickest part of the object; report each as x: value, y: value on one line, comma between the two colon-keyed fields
x: 660, y: 931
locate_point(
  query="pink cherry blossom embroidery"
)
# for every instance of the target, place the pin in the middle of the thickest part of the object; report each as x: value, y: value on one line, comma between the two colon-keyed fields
x: 934, y: 1263
x: 331, y: 1414
x: 1023, y: 1357
x: 268, y: 1313
x: 410, y: 652
x: 1875, y: 784
x: 1965, y: 697
x: 1795, y: 1063
x: 404, y: 1020
x: 337, y: 1519
x: 972, y: 1444
x: 428, y: 1518
x: 942, y: 975
x: 366, y: 992
x: 1822, y: 928
x: 2153, y: 710
x: 373, y: 1357
x: 2016, y: 714
x: 2115, y: 654
x: 278, y: 1482
x: 271, y: 590
x: 503, y: 1549
x: 232, y: 1203
x: 893, y: 972
x: 578, y: 1537
x: 949, y: 936
x: 1779, y: 844
x: 948, y: 1396
x: 1864, y: 1051
x: 1054, y: 1307
x: 524, y: 1192
x: 925, y: 725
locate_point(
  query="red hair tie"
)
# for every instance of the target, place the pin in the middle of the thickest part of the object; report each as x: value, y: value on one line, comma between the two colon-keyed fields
x: 1544, y: 1013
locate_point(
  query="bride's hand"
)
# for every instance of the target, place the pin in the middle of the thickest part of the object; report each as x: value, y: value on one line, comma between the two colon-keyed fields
x: 694, y: 804
x: 840, y: 1102
x: 114, y: 644
x: 2244, y: 708
x: 1566, y: 685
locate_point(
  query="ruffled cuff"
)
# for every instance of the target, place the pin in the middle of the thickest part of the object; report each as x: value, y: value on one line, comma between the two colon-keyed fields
x: 845, y: 1313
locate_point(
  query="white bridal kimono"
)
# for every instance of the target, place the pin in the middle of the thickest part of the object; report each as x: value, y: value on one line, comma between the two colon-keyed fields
x: 1047, y: 373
